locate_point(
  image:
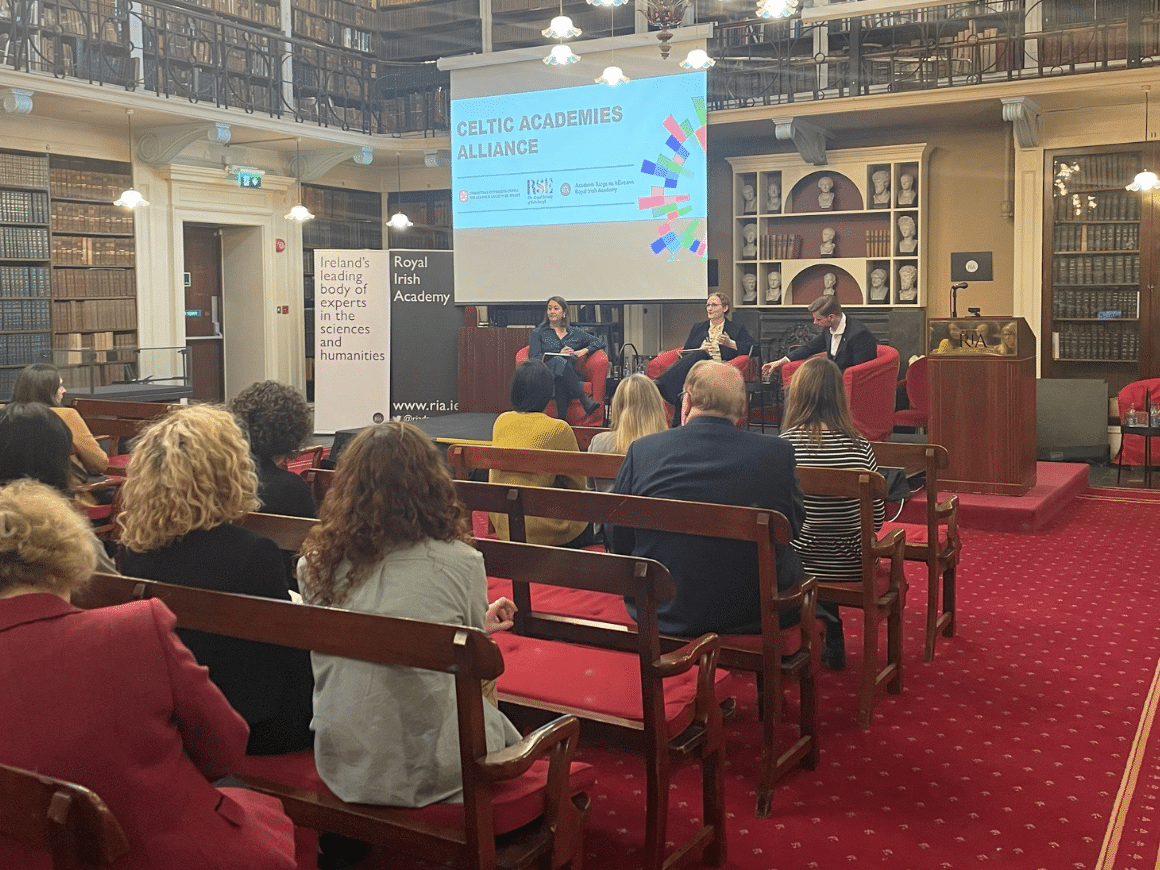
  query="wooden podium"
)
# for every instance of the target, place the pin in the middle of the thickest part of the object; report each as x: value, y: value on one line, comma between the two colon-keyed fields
x: 982, y: 403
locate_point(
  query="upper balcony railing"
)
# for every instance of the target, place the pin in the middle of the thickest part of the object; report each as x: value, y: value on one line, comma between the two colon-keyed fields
x: 761, y: 62
x: 181, y: 52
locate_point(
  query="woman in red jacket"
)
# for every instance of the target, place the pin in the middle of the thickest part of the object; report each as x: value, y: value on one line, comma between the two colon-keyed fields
x: 112, y: 700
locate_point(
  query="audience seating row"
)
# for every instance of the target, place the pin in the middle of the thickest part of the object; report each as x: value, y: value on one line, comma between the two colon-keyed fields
x: 523, y: 806
x: 776, y: 656
x: 58, y: 818
x: 116, y: 422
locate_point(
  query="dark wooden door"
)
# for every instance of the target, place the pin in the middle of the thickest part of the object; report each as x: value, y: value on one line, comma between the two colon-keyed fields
x: 203, y: 311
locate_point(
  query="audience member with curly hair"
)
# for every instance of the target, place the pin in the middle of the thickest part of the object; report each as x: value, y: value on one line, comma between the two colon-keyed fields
x: 190, y: 477
x: 392, y: 538
x: 277, y: 420
x: 111, y: 699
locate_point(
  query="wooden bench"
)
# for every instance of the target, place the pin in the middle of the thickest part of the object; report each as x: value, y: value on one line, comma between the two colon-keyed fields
x: 59, y: 818
x: 941, y: 528
x: 608, y: 674
x: 881, y: 594
x: 516, y: 810
x: 118, y: 421
x: 777, y: 656
x: 464, y: 458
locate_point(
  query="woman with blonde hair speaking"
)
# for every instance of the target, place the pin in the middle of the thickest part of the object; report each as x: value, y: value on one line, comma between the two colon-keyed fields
x: 190, y: 478
x: 109, y: 698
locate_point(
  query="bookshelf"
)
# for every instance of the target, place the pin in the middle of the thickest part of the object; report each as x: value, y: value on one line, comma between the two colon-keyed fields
x: 344, y: 219
x: 854, y: 227
x: 93, y: 284
x: 25, y: 335
x: 424, y: 29
x: 1099, y: 274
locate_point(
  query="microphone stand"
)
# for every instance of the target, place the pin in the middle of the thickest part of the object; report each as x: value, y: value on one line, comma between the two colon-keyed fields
x: 955, y: 288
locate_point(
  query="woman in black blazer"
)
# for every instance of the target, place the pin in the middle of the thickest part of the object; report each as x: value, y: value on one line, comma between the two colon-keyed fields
x: 716, y: 338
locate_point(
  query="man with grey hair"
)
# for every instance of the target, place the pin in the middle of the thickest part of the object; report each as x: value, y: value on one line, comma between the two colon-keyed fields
x: 843, y: 339
x: 709, y: 459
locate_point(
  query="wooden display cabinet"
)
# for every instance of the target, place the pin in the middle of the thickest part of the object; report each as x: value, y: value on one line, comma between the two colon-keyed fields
x: 854, y: 227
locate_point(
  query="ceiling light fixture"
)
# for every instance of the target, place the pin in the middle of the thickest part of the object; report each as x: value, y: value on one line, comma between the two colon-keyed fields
x: 613, y: 75
x: 665, y: 14
x: 561, y: 28
x: 1145, y: 180
x: 130, y: 198
x: 299, y: 212
x: 697, y: 59
x: 399, y: 219
x: 778, y: 8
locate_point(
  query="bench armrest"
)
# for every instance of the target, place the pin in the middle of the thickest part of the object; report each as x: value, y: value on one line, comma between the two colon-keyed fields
x: 514, y: 760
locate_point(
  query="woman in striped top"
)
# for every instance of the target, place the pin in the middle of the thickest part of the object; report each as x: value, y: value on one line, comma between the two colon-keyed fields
x: 818, y: 423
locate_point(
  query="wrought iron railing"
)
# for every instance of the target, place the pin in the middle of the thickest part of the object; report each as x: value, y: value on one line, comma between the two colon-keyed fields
x: 188, y: 53
x: 762, y: 62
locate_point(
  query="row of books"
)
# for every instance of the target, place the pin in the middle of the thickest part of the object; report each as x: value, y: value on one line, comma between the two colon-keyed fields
x: 877, y: 243
x: 24, y: 314
x: 338, y: 204
x: 1098, y: 171
x: 359, y: 14
x: 1094, y: 341
x: 93, y: 314
x: 99, y: 343
x: 256, y: 11
x: 333, y: 32
x: 1097, y: 44
x: 93, y: 283
x: 1089, y: 303
x: 420, y: 110
x: 1096, y: 269
x: 1097, y: 237
x: 23, y: 243
x: 409, y: 16
x: 22, y: 348
x: 23, y: 207
x: 86, y: 184
x: 333, y: 234
x: 779, y: 246
x: 85, y: 251
x: 24, y: 281
x: 23, y: 170
x: 1117, y: 205
x: 87, y: 217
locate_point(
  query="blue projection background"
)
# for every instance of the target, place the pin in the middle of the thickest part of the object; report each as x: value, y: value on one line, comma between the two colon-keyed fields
x: 585, y: 155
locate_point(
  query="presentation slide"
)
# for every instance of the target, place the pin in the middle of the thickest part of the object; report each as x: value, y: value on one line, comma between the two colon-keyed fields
x: 602, y: 188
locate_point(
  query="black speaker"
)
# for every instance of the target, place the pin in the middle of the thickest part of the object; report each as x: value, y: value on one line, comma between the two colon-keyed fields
x: 712, y: 273
x: 971, y: 266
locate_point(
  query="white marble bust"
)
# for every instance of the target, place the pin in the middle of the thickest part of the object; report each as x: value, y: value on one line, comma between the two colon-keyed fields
x: 773, y: 287
x: 826, y: 196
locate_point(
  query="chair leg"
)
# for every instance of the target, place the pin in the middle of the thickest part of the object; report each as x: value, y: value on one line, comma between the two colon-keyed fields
x: 656, y: 810
x: 894, y: 646
x: 932, y: 612
x: 869, y: 669
x: 808, y: 695
x: 949, y: 600
x: 770, y: 701
x: 713, y: 804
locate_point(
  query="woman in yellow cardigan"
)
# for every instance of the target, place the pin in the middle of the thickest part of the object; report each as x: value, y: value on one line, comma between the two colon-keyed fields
x: 42, y: 383
x: 528, y: 427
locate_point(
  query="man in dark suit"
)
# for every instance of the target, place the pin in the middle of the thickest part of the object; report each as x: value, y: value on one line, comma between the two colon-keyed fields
x: 709, y: 459
x: 844, y: 340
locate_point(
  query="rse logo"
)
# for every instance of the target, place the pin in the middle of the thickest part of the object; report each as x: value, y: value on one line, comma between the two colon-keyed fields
x: 540, y: 187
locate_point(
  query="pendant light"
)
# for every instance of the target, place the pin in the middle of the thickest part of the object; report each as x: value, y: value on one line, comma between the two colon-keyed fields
x: 561, y: 28
x: 130, y: 198
x: 300, y: 212
x: 612, y: 75
x: 399, y: 220
x: 1144, y: 179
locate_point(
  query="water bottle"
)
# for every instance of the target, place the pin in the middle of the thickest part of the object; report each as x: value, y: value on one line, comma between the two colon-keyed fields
x: 1153, y: 414
x: 1132, y: 420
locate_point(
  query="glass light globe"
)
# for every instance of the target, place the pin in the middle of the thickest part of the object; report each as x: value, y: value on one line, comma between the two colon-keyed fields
x: 697, y: 59
x: 131, y: 199
x: 561, y: 56
x: 400, y: 221
x: 300, y: 213
x: 612, y: 76
x: 1144, y: 181
x: 561, y: 28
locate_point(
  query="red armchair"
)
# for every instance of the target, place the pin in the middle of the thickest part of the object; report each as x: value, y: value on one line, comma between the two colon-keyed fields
x: 916, y: 415
x: 1132, y: 446
x: 661, y: 363
x: 593, y: 372
x: 870, y: 389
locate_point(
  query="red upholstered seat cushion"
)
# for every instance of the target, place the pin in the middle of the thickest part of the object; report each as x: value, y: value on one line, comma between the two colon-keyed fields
x: 121, y: 460
x: 916, y: 533
x: 561, y: 601
x: 596, y: 680
x: 516, y: 802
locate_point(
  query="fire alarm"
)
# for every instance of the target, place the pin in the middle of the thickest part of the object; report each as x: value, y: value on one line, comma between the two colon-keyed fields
x: 279, y: 245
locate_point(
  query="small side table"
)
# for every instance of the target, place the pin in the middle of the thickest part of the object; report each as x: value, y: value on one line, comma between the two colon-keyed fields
x: 1148, y: 432
x: 767, y: 397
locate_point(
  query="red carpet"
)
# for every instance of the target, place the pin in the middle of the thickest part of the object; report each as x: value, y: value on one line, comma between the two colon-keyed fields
x: 1026, y: 745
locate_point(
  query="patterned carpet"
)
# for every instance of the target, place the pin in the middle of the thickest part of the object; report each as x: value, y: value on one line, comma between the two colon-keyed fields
x: 1028, y: 744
